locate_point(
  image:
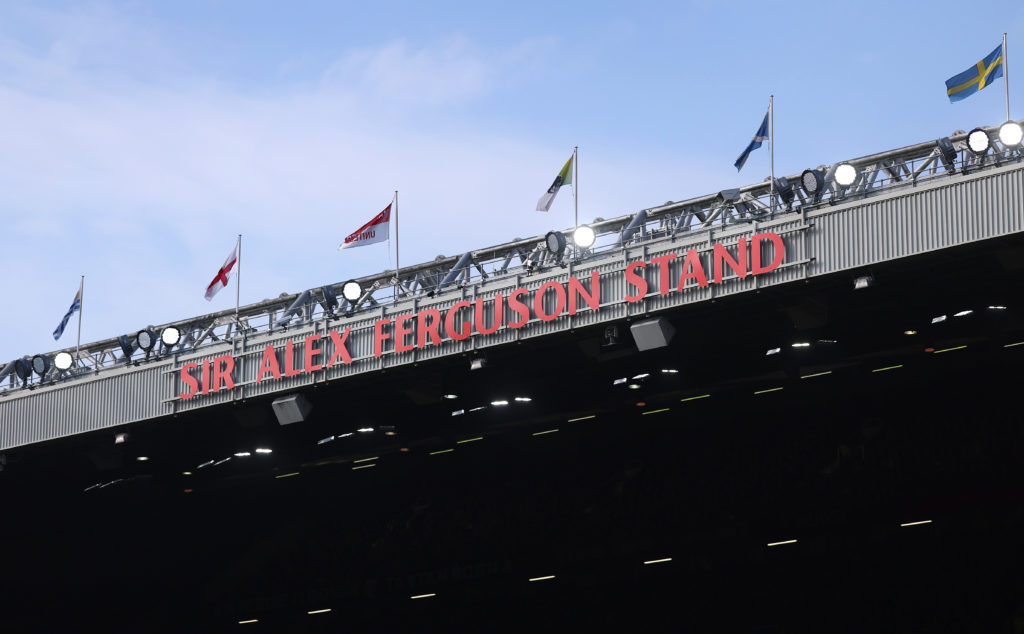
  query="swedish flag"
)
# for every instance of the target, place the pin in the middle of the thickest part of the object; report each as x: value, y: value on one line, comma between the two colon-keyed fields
x: 976, y: 77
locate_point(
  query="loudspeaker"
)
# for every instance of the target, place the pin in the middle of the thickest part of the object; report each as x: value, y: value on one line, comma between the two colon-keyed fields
x: 652, y: 333
x: 291, y: 409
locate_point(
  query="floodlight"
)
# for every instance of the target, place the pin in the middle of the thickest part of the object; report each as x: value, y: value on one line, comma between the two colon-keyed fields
x: 146, y: 339
x: 555, y: 242
x: 330, y: 300
x: 1010, y: 134
x: 40, y: 364
x: 947, y: 152
x: 846, y: 174
x: 727, y: 196
x: 584, y: 236
x: 126, y: 347
x: 862, y: 282
x: 813, y: 181
x: 784, y: 189
x: 63, y: 361
x: 170, y: 336
x: 352, y: 291
x: 23, y: 369
x: 477, y: 363
x: 978, y: 141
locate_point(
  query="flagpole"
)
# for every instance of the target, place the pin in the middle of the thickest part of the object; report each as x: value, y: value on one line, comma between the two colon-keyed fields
x: 81, y: 307
x: 238, y: 275
x: 397, y: 267
x: 771, y: 147
x: 1006, y: 78
x: 575, y: 195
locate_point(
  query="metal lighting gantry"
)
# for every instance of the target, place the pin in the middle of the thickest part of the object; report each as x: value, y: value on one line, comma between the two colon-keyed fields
x: 796, y: 194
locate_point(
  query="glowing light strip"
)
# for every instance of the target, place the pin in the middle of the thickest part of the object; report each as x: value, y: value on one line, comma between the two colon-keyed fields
x: 811, y: 376
x: 434, y: 453
x: 286, y: 475
x: 774, y: 389
x: 469, y: 440
x: 364, y: 460
x: 654, y: 411
x: 950, y: 349
x: 788, y: 541
x: 891, y: 367
x: 573, y: 420
x: 424, y: 596
x: 364, y: 466
x: 694, y: 398
x: 249, y: 621
x: 543, y: 578
x: 541, y: 433
x: 319, y: 611
x: 1010, y: 345
x: 658, y: 561
x: 915, y: 523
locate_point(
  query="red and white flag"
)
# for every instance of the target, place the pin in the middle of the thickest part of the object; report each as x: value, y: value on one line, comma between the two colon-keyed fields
x: 377, y: 230
x: 223, y: 275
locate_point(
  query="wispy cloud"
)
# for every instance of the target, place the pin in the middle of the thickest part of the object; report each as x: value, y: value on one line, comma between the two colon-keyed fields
x: 141, y: 182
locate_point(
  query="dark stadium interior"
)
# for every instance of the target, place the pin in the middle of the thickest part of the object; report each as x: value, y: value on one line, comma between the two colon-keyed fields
x: 706, y: 466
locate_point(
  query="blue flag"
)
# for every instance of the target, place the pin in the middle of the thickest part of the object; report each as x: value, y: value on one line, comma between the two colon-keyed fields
x: 760, y: 137
x: 76, y: 304
x: 976, y: 77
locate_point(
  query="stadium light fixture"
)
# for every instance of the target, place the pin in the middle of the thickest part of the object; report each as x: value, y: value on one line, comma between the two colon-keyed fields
x: 862, y: 282
x: 477, y: 363
x: 784, y: 189
x: 813, y: 182
x: 727, y: 196
x: 41, y: 364
x: 947, y: 153
x: 330, y: 299
x: 846, y: 174
x: 126, y: 347
x: 352, y: 291
x: 145, y: 339
x: 978, y: 141
x: 170, y: 336
x: 63, y: 361
x: 1011, y: 134
x: 584, y: 236
x: 555, y: 243
x: 23, y: 369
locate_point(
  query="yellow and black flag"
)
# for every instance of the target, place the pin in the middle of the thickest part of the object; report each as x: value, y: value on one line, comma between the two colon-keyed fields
x: 564, y: 178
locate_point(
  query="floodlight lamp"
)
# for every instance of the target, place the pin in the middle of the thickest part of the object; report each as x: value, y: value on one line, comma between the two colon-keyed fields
x: 170, y: 336
x: 862, y: 282
x: 352, y: 291
x: 555, y: 242
x: 978, y: 141
x: 41, y: 364
x: 477, y: 363
x: 1011, y: 134
x: 846, y: 174
x: 947, y: 151
x: 728, y: 196
x: 146, y: 339
x: 23, y: 369
x: 784, y: 189
x: 813, y: 181
x: 63, y: 361
x: 584, y: 236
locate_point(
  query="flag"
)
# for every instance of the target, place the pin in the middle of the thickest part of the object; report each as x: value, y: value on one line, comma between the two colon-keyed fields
x: 564, y: 178
x: 223, y: 275
x: 377, y: 230
x: 759, y: 137
x: 976, y: 77
x: 76, y: 304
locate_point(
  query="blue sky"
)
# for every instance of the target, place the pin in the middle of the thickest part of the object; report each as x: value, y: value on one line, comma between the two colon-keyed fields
x: 140, y: 138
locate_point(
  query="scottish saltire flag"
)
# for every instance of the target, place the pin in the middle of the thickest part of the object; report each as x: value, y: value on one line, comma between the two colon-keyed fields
x: 759, y: 137
x: 76, y: 304
x: 564, y: 178
x: 976, y: 77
